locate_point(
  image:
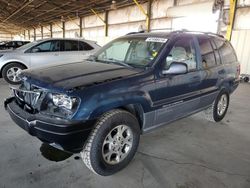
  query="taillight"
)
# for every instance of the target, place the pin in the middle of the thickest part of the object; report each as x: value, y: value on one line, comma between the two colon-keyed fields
x: 238, y: 71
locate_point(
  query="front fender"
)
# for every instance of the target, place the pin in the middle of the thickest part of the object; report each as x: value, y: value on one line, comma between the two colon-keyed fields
x: 100, y: 105
x: 4, y: 62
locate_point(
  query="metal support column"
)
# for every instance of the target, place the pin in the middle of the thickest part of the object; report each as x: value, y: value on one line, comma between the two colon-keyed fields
x: 42, y: 32
x: 51, y: 31
x: 29, y: 34
x: 105, y: 21
x: 80, y: 26
x: 232, y: 12
x: 147, y: 14
x: 34, y: 33
x: 63, y: 29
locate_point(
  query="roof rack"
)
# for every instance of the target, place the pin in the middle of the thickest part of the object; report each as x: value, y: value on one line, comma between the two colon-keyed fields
x: 144, y: 31
x: 207, y: 33
x: 216, y: 34
x: 162, y: 29
x: 136, y: 32
x: 177, y: 31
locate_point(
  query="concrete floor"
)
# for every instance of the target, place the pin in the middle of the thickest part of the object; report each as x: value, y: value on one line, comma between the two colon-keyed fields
x: 190, y: 153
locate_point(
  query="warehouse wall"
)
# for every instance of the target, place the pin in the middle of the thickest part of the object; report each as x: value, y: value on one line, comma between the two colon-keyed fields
x: 5, y: 36
x: 241, y: 35
x: 121, y: 21
x: 93, y: 27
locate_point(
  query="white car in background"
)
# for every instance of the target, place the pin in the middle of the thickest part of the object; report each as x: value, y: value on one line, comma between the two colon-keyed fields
x: 43, y: 53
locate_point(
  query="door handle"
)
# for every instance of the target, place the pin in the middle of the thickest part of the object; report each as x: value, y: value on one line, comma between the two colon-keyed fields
x: 195, y: 78
x: 222, y: 71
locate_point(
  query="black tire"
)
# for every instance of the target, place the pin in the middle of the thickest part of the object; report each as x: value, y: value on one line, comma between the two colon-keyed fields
x: 92, y: 153
x: 7, y: 68
x: 212, y: 113
x: 246, y: 79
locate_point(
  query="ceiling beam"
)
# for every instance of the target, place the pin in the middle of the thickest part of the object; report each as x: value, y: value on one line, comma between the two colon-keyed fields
x: 18, y: 10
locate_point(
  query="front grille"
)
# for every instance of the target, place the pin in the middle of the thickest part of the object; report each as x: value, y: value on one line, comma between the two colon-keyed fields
x: 27, y: 97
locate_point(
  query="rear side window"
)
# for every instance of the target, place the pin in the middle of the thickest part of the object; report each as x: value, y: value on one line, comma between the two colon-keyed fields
x: 70, y: 45
x: 216, y: 52
x: 207, y: 53
x: 83, y: 46
x: 226, y: 51
x: 19, y: 43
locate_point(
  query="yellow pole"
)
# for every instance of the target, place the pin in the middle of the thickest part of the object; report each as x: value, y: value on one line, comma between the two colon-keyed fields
x: 233, y: 4
x: 98, y: 16
x: 144, y: 12
x: 103, y: 20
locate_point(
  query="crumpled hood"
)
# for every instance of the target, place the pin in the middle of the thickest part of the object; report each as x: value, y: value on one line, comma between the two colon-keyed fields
x: 69, y: 76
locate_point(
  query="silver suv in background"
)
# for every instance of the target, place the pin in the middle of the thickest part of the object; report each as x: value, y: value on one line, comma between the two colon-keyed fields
x: 44, y: 52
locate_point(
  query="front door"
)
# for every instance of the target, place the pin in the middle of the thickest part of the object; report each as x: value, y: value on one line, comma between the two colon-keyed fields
x: 46, y: 53
x: 178, y: 95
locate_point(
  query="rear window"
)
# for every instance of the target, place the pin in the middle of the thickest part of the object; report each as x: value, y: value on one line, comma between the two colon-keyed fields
x: 226, y: 51
x: 83, y: 46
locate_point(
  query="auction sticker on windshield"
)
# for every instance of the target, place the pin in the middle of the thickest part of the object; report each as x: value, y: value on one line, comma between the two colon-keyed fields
x: 156, y: 39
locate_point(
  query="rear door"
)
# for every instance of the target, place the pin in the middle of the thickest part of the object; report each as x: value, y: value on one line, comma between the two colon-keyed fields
x: 85, y: 50
x: 212, y: 71
x: 178, y: 95
x: 69, y: 51
x: 44, y: 53
x: 229, y: 61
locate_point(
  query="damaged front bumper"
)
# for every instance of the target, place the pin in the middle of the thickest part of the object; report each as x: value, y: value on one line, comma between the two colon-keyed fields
x: 69, y: 135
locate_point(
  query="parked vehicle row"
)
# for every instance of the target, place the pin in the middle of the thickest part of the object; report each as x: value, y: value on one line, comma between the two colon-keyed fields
x: 132, y: 85
x: 44, y: 52
x: 7, y: 45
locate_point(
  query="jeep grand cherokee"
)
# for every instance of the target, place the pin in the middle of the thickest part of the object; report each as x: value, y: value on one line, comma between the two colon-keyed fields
x: 132, y: 85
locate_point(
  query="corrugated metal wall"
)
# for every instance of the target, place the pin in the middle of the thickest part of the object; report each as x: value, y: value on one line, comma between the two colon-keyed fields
x: 241, y: 43
x: 121, y: 21
x: 5, y: 36
x: 241, y: 35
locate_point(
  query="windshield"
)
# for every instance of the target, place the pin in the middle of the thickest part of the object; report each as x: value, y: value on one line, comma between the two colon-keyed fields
x: 26, y: 46
x: 133, y: 52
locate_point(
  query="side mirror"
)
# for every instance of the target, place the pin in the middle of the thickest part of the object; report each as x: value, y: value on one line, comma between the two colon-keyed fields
x: 36, y: 49
x: 176, y: 68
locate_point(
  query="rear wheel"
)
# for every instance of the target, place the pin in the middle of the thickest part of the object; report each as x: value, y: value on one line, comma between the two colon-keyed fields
x: 112, y: 143
x: 246, y: 79
x: 11, y: 73
x: 219, y: 107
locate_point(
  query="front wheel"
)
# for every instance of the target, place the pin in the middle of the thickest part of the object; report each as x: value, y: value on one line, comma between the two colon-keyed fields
x: 219, y: 107
x: 112, y: 143
x: 11, y: 73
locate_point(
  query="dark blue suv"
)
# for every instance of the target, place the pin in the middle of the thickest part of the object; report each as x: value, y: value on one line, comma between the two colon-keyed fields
x: 132, y: 85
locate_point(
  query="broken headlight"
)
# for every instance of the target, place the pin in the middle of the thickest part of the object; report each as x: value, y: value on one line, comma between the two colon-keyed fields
x: 60, y: 105
x: 64, y: 101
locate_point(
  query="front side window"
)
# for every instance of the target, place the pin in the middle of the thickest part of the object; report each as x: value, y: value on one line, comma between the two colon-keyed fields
x: 49, y: 46
x: 207, y: 53
x: 136, y: 52
x: 183, y: 51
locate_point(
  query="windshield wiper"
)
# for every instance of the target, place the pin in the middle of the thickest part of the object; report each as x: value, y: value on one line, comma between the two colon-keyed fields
x: 118, y: 62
